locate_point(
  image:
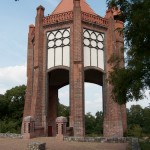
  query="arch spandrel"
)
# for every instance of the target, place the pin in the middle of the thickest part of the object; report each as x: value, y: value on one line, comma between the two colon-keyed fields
x: 93, y: 75
x: 58, y: 77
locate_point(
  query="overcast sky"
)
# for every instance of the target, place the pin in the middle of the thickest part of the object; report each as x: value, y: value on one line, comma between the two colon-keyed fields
x: 15, y: 17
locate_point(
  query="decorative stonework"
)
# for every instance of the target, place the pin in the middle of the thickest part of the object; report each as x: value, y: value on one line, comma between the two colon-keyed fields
x: 57, y: 18
x: 58, y: 48
x: 93, y: 48
x: 68, y: 16
x: 61, y: 126
x: 95, y: 19
x: 28, y: 127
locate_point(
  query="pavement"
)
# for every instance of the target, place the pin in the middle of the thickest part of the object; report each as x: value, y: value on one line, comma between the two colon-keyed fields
x: 55, y: 144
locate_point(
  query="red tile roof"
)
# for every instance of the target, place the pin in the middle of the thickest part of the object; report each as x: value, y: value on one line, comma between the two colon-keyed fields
x: 67, y: 5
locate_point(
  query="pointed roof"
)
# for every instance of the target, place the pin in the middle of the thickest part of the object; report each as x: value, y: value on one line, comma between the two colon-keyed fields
x: 67, y: 5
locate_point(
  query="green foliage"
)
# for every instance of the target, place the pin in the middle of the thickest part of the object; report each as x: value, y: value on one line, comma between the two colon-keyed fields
x: 3, y: 106
x: 135, y: 131
x: 138, y: 121
x: 135, y: 115
x: 11, y: 126
x: 129, y: 83
x: 99, y: 122
x: 15, y: 99
x: 146, y: 120
x: 63, y: 110
x: 89, y: 123
x: 11, y: 109
x: 145, y: 145
x: 94, y: 124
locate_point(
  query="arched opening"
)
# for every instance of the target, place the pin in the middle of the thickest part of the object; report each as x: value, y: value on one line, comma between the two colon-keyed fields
x: 93, y: 102
x: 57, y: 79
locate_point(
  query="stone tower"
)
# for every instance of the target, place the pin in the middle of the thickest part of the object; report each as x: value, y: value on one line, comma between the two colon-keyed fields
x: 71, y: 46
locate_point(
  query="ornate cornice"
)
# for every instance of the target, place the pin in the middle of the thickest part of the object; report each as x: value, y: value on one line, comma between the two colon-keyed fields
x: 68, y: 16
x: 58, y: 18
x: 95, y: 19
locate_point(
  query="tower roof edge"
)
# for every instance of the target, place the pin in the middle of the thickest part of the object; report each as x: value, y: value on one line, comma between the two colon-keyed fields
x: 67, y: 5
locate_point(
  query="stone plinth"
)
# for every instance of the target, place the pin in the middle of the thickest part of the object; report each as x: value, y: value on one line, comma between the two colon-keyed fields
x: 61, y: 126
x: 28, y: 127
x: 36, y: 146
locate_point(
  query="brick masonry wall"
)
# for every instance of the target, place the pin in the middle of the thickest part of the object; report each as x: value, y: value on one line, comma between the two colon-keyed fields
x: 77, y: 75
x: 113, y: 124
x: 36, y: 103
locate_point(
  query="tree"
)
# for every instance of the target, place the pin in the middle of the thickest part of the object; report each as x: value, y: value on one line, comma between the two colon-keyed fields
x: 135, y: 120
x: 130, y: 82
x: 63, y: 110
x: 11, y: 109
x: 99, y: 122
x: 94, y: 124
x: 138, y: 121
x: 146, y: 120
x: 15, y: 98
x: 3, y: 106
x: 89, y: 124
x: 135, y: 115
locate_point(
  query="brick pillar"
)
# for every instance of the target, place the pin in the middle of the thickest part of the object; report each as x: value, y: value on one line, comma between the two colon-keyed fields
x: 28, y: 127
x: 28, y: 96
x: 52, y: 109
x: 124, y: 118
x: 120, y: 53
x: 61, y: 123
x: 77, y: 74
x: 36, y: 106
x: 113, y: 126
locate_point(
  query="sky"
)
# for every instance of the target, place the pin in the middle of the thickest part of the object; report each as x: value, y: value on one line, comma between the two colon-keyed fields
x: 15, y: 18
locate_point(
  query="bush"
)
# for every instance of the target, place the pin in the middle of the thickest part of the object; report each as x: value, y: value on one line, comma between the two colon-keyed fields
x: 135, y: 130
x: 9, y: 126
x: 145, y: 145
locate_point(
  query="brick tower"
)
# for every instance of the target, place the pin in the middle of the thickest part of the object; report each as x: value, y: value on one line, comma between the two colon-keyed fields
x: 71, y: 46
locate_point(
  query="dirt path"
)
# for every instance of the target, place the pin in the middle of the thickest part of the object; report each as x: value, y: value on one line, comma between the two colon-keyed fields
x: 54, y: 144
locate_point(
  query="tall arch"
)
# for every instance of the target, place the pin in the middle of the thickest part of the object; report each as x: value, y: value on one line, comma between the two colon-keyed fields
x: 57, y: 78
